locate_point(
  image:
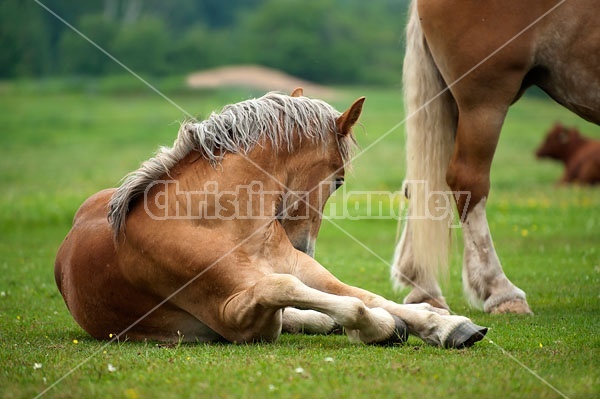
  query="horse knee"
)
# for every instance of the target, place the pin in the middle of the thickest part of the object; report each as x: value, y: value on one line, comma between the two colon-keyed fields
x: 350, y: 312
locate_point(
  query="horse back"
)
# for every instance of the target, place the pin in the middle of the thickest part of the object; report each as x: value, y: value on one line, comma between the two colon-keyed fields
x: 499, y: 47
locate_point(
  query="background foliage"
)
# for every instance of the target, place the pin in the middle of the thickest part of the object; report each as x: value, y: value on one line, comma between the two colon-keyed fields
x: 326, y: 41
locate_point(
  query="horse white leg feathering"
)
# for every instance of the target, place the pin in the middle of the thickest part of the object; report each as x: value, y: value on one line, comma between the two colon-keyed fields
x: 483, y: 277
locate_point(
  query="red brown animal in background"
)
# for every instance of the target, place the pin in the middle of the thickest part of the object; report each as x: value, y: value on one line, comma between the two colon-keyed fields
x: 581, y: 155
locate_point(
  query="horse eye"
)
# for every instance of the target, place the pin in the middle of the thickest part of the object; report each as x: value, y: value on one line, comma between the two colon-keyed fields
x: 338, y: 182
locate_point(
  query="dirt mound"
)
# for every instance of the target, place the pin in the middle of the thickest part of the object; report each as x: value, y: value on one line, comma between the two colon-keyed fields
x: 256, y: 77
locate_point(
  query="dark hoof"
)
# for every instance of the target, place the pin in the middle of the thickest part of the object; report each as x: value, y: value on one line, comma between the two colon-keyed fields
x: 399, y: 336
x: 337, y: 330
x: 465, y: 335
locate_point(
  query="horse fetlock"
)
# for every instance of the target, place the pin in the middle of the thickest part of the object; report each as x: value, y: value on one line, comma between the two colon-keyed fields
x: 399, y: 335
x: 353, y: 335
x: 377, y: 325
x: 511, y: 300
x: 516, y: 306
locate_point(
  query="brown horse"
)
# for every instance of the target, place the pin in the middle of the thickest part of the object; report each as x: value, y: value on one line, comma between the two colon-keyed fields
x: 579, y: 154
x: 466, y: 63
x: 211, y: 239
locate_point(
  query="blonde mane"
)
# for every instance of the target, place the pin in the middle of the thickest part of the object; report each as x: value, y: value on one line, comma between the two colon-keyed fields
x: 236, y: 129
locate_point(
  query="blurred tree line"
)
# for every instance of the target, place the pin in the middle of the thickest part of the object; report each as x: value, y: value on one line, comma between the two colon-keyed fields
x: 329, y: 41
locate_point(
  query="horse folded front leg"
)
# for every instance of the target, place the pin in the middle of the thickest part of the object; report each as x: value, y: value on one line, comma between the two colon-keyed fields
x: 298, y: 321
x: 399, y: 335
x: 433, y: 325
x: 436, y: 326
x: 370, y: 333
x: 272, y: 293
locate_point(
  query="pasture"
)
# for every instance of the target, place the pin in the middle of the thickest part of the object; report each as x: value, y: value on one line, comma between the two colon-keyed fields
x: 60, y: 146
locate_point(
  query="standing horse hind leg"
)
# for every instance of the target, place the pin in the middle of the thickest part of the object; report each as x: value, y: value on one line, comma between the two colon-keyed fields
x: 483, y: 81
x: 484, y: 280
x: 425, y: 287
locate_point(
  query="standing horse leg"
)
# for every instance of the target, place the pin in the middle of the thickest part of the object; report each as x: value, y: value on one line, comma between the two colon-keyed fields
x: 484, y: 280
x: 425, y: 287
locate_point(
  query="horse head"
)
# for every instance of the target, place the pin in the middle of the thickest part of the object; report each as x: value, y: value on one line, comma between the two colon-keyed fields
x: 318, y: 170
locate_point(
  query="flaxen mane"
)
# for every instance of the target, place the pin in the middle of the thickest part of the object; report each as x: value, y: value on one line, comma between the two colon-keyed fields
x: 236, y: 129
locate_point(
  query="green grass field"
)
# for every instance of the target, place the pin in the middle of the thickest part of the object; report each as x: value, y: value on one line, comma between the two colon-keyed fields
x: 60, y: 146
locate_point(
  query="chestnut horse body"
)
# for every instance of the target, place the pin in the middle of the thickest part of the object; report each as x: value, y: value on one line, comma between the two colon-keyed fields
x: 466, y: 63
x: 211, y: 239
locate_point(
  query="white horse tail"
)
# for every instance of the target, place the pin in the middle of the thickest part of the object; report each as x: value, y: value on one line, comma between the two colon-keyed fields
x: 430, y: 128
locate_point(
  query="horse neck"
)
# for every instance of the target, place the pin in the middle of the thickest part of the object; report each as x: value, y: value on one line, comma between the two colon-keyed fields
x: 244, y: 187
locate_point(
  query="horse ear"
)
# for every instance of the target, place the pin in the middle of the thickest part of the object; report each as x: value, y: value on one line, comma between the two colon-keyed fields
x: 297, y: 92
x: 345, y: 122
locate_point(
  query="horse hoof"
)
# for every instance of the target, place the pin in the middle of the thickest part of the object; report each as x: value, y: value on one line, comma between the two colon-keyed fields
x: 516, y: 306
x: 399, y: 336
x: 465, y: 335
x: 337, y: 329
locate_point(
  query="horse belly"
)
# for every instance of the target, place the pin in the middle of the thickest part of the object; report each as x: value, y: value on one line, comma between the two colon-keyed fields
x: 576, y: 89
x: 569, y: 57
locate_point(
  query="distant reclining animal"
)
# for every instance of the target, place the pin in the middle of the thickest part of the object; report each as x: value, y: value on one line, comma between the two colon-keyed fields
x: 581, y: 155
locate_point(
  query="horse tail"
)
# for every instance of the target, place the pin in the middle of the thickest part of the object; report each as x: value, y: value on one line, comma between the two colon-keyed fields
x: 430, y: 128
